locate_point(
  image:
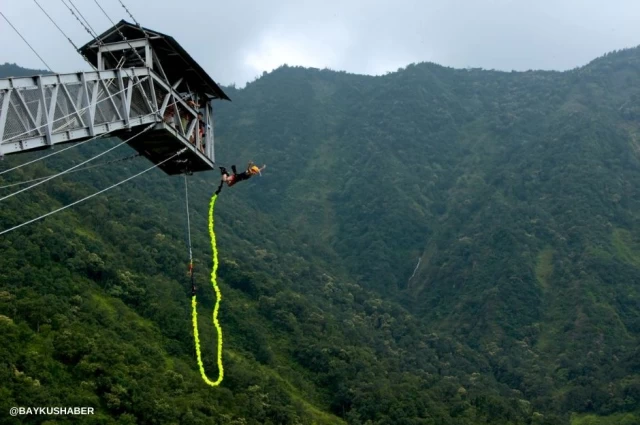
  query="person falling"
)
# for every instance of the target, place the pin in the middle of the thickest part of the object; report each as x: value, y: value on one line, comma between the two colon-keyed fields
x: 236, y: 177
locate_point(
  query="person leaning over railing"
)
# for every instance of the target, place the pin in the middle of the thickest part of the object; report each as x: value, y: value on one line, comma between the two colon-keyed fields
x: 201, y: 132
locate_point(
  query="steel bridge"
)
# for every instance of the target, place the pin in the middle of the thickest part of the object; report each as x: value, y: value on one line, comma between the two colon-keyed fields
x: 141, y: 77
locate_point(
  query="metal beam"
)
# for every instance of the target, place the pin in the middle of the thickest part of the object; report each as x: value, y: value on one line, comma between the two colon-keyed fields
x: 189, y: 132
x: 146, y: 98
x: 176, y: 84
x: 23, y: 122
x: 40, y: 115
x: 148, y: 55
x: 165, y: 103
x: 158, y: 80
x: 79, y: 99
x: 154, y: 98
x: 26, y: 108
x: 73, y: 104
x: 159, y: 66
x: 4, y: 111
x: 45, y: 115
x: 76, y: 135
x: 210, y: 134
x: 110, y: 97
x: 93, y: 105
x: 123, y: 45
x: 51, y: 111
x: 34, y: 82
x: 177, y: 115
x: 123, y: 97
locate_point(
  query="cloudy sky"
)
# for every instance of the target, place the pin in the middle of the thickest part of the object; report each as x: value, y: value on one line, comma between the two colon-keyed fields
x: 236, y: 40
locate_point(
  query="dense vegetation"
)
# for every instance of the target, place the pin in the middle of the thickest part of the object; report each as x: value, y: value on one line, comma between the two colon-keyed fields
x: 518, y: 192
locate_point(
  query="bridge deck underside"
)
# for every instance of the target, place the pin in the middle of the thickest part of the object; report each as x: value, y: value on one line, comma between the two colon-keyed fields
x: 161, y: 143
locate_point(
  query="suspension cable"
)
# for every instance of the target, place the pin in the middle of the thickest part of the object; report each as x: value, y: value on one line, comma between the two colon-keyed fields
x: 54, y: 153
x: 144, y: 63
x: 85, y: 19
x: 77, y: 165
x: 131, y: 76
x: 76, y: 48
x: 74, y: 171
x: 23, y: 39
x: 146, y: 34
x: 127, y: 10
x: 65, y: 35
x: 94, y: 34
x: 90, y: 30
x: 120, y: 32
x: 180, y: 152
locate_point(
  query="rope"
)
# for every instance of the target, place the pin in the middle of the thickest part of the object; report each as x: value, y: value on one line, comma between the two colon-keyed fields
x: 23, y: 39
x: 191, y: 271
x: 74, y: 171
x: 78, y: 165
x: 415, y: 270
x: 216, y: 308
x: 186, y: 199
x: 95, y: 194
x: 73, y: 113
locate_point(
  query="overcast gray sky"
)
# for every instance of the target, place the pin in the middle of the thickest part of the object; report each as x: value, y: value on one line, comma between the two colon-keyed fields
x: 236, y: 40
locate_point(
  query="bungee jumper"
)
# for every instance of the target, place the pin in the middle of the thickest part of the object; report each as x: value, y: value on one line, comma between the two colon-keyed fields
x: 236, y: 177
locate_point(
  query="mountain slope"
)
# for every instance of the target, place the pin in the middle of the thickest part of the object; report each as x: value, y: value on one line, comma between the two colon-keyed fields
x: 515, y: 190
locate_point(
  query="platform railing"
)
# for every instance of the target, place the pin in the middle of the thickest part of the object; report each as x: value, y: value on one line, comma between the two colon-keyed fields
x: 41, y: 111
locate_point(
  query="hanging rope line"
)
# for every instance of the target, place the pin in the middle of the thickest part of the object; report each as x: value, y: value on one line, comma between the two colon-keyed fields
x: 180, y: 152
x: 186, y: 199
x: 23, y: 39
x: 191, y: 271
x: 216, y: 309
x: 415, y: 270
x: 77, y: 165
x: 74, y: 171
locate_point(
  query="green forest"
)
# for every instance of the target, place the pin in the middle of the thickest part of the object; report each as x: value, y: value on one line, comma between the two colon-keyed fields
x: 433, y: 246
